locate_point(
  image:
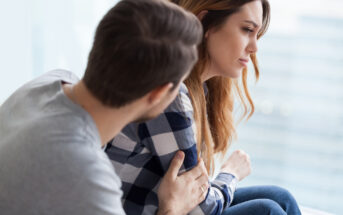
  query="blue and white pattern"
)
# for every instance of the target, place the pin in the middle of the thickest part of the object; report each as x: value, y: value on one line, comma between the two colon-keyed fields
x: 142, y: 152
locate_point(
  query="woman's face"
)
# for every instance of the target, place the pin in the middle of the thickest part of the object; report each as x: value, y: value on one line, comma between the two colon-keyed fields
x: 230, y: 46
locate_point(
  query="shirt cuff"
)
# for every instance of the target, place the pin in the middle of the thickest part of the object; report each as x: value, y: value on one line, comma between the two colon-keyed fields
x: 230, y: 181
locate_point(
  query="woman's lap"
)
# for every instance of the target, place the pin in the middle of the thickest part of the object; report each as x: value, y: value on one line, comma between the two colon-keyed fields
x: 264, y: 199
x: 256, y: 206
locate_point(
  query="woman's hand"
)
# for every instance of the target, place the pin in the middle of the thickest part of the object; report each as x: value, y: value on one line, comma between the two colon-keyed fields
x: 238, y: 164
x: 179, y: 194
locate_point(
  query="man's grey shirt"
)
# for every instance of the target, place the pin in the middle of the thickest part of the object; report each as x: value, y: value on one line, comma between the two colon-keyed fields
x: 51, y: 161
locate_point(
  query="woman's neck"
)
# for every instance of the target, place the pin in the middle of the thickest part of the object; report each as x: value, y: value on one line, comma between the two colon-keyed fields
x: 207, y: 74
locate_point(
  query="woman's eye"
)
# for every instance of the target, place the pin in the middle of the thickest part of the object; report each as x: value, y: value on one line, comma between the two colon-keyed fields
x: 249, y: 30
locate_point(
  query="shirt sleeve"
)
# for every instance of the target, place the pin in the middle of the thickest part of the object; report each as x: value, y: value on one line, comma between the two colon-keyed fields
x: 175, y: 130
x: 90, y: 187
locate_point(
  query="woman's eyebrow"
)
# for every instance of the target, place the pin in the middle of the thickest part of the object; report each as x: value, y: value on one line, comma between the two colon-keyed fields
x: 252, y: 22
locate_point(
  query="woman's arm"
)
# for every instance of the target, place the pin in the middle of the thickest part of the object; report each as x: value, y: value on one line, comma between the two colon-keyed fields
x: 174, y: 130
x: 142, y: 153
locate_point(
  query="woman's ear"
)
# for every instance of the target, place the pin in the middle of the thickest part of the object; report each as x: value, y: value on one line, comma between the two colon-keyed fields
x: 201, y: 16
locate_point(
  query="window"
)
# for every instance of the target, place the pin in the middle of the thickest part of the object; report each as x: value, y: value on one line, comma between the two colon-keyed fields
x: 295, y: 137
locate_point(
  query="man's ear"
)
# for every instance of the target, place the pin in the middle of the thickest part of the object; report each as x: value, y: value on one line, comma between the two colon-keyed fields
x: 156, y: 95
x: 201, y: 16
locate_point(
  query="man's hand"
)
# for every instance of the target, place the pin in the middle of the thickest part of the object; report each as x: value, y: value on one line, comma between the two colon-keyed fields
x: 238, y: 164
x: 178, y: 195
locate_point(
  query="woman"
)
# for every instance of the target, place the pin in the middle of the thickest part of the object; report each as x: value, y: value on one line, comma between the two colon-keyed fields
x: 200, y: 120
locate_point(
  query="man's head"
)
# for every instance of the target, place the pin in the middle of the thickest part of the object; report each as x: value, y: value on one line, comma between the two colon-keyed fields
x: 141, y: 46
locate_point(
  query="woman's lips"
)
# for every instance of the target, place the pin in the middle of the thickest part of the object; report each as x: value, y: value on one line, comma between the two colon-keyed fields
x: 244, y: 62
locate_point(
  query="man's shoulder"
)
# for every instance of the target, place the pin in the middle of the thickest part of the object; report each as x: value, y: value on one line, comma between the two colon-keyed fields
x: 58, y: 74
x: 48, y: 78
x: 47, y: 84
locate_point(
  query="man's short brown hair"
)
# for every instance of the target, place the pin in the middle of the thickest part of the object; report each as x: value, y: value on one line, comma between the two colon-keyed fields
x: 140, y: 45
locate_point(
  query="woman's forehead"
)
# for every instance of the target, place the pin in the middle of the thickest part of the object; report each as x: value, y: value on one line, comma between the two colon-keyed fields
x: 251, y: 12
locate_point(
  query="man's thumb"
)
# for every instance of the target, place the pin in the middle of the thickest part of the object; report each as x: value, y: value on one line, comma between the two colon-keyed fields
x: 176, y: 164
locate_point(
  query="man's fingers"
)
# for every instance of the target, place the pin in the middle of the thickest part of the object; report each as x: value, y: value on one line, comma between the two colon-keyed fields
x: 202, y: 180
x: 202, y: 191
x: 176, y: 164
x: 203, y: 168
x: 197, y: 171
x: 202, y: 196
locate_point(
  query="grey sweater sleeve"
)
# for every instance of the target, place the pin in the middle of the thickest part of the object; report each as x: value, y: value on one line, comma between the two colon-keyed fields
x: 93, y: 189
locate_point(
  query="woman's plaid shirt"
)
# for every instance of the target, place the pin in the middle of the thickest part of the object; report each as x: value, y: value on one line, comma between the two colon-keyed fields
x: 142, y: 152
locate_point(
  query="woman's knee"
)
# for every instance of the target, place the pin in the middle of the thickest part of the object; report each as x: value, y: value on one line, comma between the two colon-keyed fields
x: 256, y: 206
x: 270, y: 207
x: 284, y: 198
x: 282, y: 193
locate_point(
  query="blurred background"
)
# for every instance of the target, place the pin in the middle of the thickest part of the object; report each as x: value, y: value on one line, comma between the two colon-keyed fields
x: 295, y: 137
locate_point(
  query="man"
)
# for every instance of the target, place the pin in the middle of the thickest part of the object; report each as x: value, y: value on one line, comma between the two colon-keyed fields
x: 54, y: 128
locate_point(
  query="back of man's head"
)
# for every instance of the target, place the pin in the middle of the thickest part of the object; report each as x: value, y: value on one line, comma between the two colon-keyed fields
x: 140, y: 45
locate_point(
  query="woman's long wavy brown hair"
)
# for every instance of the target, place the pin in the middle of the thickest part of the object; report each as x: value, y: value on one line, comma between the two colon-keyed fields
x: 213, y: 112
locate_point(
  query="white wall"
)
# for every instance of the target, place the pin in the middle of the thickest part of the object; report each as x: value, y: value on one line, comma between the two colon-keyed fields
x: 39, y: 35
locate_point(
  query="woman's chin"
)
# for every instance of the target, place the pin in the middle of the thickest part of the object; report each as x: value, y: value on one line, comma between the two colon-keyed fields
x: 234, y: 74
